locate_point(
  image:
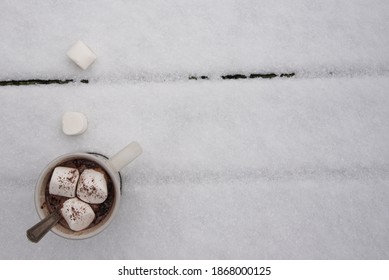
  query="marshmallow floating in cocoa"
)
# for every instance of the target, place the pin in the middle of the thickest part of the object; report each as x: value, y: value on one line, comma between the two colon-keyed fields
x: 78, y: 214
x: 63, y: 182
x: 92, y: 187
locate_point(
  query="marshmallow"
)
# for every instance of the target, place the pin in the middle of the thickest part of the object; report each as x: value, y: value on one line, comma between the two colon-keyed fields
x: 74, y: 123
x: 78, y: 214
x: 81, y: 54
x: 92, y: 187
x: 64, y: 181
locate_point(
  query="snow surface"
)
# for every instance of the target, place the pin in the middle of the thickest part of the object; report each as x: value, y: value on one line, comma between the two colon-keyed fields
x: 250, y: 169
x: 149, y: 39
x: 259, y: 169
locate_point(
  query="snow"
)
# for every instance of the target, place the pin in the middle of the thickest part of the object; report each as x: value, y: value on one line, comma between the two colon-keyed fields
x: 147, y: 40
x: 292, y: 168
x: 256, y: 169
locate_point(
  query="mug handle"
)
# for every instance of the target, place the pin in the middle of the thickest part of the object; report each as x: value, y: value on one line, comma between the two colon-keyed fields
x: 125, y: 156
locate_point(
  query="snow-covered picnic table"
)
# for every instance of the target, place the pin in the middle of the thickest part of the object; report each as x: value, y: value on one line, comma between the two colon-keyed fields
x: 284, y: 168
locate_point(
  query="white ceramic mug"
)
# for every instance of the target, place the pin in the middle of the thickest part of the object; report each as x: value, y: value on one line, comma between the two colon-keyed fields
x: 112, y: 166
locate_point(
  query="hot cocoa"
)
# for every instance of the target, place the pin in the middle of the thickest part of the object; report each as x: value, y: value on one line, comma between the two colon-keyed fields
x: 101, y: 210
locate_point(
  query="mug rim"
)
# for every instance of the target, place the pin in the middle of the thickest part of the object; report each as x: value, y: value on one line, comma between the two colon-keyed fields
x: 104, y: 163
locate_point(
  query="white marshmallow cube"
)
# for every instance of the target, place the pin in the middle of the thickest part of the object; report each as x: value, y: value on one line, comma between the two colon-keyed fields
x: 63, y: 181
x: 74, y: 123
x: 81, y: 54
x: 92, y: 187
x: 78, y: 214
